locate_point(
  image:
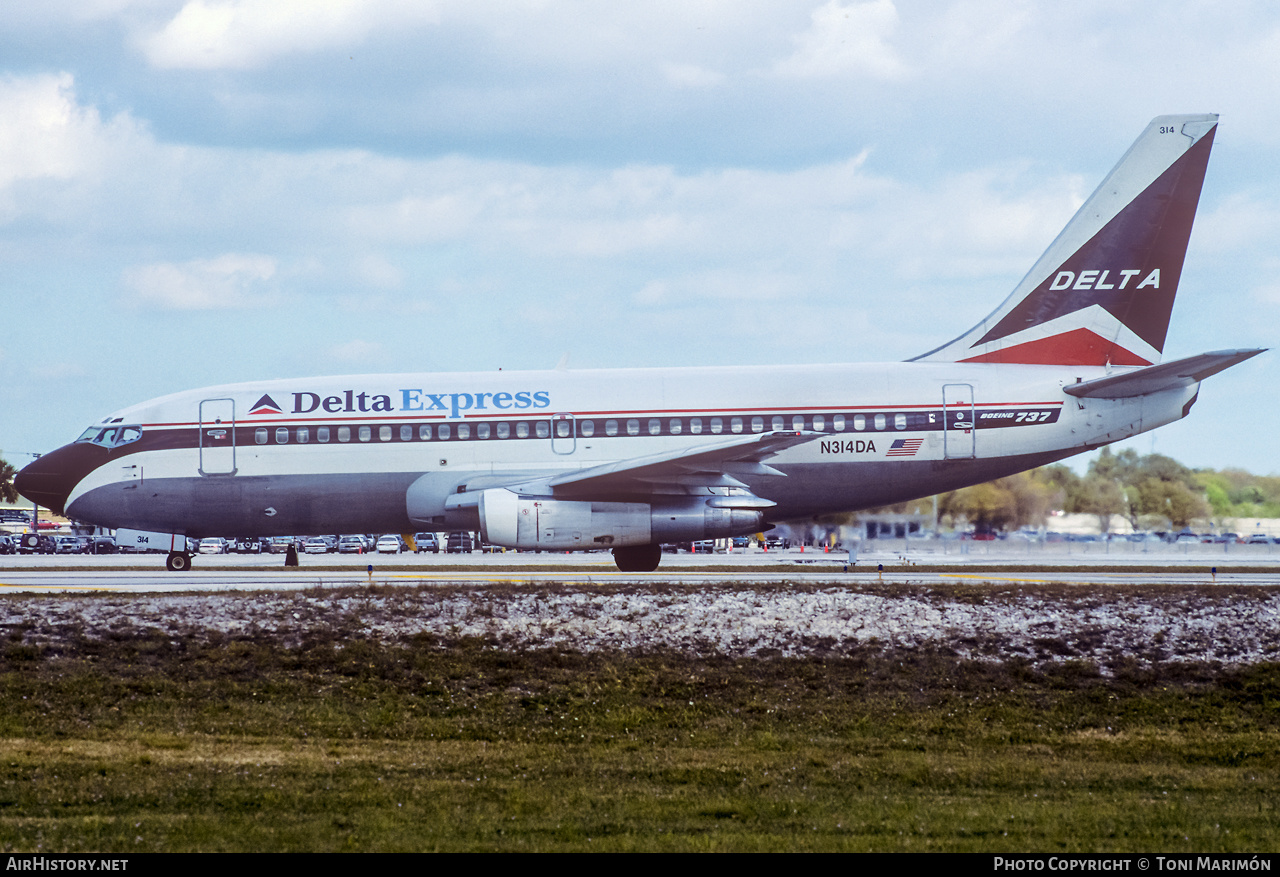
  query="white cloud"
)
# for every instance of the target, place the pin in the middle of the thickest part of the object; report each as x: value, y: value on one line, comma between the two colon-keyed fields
x: 244, y: 34
x: 45, y: 134
x: 1240, y: 222
x: 377, y: 270
x: 691, y: 75
x: 357, y: 351
x: 851, y: 39
x: 229, y: 281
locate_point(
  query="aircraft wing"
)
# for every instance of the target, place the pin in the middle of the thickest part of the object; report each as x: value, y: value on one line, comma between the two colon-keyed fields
x: 711, y: 464
x: 1166, y: 376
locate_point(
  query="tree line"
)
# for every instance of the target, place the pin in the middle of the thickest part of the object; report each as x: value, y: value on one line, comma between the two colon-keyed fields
x: 1151, y: 492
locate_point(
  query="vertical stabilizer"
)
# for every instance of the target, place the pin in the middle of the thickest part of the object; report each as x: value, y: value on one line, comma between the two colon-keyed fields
x: 1103, y: 291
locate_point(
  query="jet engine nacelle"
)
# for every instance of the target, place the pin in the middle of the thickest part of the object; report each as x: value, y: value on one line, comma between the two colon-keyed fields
x: 517, y: 521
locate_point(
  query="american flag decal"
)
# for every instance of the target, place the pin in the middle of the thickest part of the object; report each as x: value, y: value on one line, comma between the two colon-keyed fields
x: 904, y: 447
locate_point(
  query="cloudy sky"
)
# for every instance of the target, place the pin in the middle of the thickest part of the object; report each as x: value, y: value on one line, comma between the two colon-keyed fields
x: 195, y: 192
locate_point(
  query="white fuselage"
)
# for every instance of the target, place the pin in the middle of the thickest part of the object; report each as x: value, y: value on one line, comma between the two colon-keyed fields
x: 387, y: 452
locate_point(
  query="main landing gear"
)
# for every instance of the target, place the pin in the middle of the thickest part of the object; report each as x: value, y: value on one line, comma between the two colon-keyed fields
x: 637, y: 558
x: 178, y: 561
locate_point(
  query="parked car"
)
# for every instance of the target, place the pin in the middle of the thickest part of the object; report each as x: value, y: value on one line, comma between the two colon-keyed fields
x: 459, y: 543
x: 351, y: 545
x: 69, y: 545
x: 213, y: 545
x: 280, y: 544
x: 426, y: 542
x: 316, y: 545
x: 102, y: 544
x: 249, y: 545
x: 389, y: 545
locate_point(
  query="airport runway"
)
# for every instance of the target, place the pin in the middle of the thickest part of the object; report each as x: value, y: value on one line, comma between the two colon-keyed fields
x: 145, y: 573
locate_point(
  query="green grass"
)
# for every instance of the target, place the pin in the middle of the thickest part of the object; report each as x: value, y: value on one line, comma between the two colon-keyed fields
x: 148, y: 742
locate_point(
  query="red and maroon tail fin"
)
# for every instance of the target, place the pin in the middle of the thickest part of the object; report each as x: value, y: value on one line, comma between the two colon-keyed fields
x: 1103, y: 291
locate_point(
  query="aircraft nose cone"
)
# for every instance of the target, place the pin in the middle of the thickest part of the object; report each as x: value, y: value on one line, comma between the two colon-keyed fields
x: 50, y: 479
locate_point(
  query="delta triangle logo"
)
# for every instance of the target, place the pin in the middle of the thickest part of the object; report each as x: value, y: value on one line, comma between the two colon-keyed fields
x: 265, y: 405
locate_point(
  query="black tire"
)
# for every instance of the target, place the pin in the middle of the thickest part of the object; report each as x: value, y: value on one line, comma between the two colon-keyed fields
x: 178, y: 561
x: 638, y: 558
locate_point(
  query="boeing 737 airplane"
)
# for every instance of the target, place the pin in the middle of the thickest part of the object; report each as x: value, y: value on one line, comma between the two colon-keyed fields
x: 630, y: 459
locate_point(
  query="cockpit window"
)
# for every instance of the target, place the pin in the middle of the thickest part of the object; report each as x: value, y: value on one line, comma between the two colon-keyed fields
x: 111, y: 436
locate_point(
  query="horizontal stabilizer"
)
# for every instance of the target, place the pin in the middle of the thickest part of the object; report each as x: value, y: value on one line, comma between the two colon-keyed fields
x: 1167, y: 376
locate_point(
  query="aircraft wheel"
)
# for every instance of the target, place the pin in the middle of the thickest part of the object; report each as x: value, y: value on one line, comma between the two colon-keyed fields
x: 638, y: 558
x: 178, y: 561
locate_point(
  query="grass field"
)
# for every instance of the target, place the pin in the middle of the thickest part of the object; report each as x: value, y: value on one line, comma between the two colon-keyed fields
x: 332, y: 739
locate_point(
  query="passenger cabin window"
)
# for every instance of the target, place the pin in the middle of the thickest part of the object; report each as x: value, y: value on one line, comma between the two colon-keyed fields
x: 655, y: 427
x: 384, y: 433
x: 777, y: 423
x: 587, y: 428
x: 695, y: 426
x: 365, y: 433
x: 406, y: 433
x: 424, y: 432
x: 260, y: 435
x: 819, y: 423
x: 304, y: 435
x: 837, y: 423
x: 504, y: 430
x: 563, y: 428
x: 322, y: 434
x: 282, y: 436
x: 859, y: 422
x: 735, y: 425
x: 797, y: 423
x: 717, y: 425
x: 522, y: 430
x: 344, y: 433
x: 899, y: 421
x: 611, y: 427
x: 674, y: 426
x: 464, y: 431
x: 444, y: 432
x: 633, y: 427
x: 879, y: 421
x: 482, y: 431
x: 757, y: 424
x: 543, y: 429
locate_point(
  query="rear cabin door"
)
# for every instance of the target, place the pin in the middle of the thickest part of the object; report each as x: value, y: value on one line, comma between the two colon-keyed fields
x: 218, y: 437
x: 564, y: 434
x: 958, y: 429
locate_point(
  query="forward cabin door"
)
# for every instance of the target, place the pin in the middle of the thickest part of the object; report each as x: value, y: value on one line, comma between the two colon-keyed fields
x: 218, y: 437
x: 958, y: 428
